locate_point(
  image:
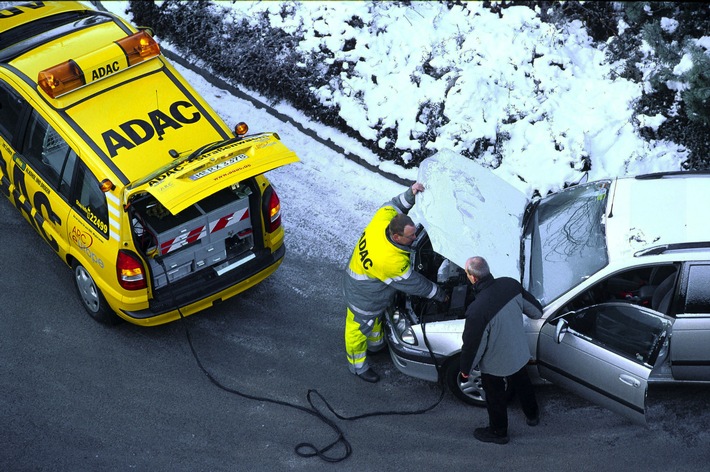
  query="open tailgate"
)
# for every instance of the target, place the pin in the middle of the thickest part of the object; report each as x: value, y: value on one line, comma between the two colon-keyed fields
x: 181, y: 183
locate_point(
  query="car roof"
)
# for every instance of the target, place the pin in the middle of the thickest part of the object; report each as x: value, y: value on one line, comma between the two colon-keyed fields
x: 27, y: 26
x: 119, y: 116
x: 648, y: 214
x: 108, y: 88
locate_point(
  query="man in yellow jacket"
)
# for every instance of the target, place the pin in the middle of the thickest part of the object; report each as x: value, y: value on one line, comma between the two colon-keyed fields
x: 378, y: 268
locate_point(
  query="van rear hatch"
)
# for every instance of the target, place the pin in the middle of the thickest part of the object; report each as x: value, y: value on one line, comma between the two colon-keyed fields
x: 192, y: 177
x: 199, y: 212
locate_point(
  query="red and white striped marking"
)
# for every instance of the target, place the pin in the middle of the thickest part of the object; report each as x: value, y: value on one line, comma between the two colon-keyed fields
x: 202, y: 231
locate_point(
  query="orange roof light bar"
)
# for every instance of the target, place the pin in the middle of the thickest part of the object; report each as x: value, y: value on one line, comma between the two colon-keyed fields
x: 139, y: 47
x: 61, y: 78
x: 96, y: 65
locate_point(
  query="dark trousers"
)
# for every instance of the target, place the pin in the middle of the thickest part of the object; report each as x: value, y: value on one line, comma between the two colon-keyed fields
x: 497, y: 398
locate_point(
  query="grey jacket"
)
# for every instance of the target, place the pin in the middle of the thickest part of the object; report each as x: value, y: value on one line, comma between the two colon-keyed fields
x: 494, y: 336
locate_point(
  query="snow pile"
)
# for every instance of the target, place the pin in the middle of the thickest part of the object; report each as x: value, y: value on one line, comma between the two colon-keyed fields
x: 509, y: 89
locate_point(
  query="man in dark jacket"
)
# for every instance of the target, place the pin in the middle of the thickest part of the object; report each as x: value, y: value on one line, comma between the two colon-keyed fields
x: 494, y: 340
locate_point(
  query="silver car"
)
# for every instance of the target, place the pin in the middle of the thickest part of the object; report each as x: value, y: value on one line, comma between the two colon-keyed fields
x: 621, y: 267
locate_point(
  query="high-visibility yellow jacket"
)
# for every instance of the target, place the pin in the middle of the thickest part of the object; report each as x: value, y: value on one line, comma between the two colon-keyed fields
x: 379, y: 267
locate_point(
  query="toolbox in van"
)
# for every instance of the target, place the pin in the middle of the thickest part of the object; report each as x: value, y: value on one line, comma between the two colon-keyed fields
x: 198, y: 237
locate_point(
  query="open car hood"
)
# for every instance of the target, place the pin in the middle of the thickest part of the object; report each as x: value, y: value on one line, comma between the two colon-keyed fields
x: 190, y: 179
x: 469, y: 211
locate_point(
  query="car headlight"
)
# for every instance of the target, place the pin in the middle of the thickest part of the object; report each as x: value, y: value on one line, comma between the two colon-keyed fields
x: 403, y: 328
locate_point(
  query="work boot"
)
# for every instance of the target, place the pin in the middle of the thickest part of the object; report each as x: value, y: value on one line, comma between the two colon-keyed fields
x: 534, y: 421
x: 486, y: 435
x: 369, y: 376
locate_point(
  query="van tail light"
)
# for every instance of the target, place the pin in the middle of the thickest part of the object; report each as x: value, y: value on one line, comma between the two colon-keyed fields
x: 129, y: 269
x: 271, y: 209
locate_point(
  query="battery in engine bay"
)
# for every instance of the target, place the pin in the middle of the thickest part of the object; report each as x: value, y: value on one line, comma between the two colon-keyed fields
x: 457, y: 306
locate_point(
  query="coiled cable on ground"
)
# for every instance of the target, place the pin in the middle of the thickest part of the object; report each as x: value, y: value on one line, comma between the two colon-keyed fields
x: 306, y: 449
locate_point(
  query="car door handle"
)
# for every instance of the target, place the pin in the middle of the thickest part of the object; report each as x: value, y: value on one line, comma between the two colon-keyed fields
x: 629, y: 380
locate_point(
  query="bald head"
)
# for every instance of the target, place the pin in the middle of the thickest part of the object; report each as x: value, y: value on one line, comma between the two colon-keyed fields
x: 477, y: 267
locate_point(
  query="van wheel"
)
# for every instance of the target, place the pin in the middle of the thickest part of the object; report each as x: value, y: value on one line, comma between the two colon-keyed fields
x: 471, y: 391
x: 92, y: 298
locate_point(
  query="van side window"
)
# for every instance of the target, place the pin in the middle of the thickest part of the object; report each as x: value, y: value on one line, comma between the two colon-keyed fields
x: 697, y: 298
x: 68, y: 172
x: 10, y: 110
x: 48, y: 153
x: 90, y: 201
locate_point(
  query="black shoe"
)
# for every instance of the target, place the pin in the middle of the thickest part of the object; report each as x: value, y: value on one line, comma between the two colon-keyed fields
x: 533, y: 421
x: 486, y: 435
x: 369, y: 376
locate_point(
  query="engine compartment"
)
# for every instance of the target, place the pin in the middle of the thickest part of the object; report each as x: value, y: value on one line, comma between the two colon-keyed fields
x: 447, y: 275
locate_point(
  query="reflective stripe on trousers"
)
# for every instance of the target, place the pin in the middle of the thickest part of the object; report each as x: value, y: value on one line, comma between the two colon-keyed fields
x: 358, y: 338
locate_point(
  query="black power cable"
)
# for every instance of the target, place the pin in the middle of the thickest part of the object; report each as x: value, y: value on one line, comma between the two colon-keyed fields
x: 306, y: 449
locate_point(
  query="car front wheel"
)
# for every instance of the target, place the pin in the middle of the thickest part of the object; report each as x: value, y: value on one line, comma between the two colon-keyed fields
x: 470, y: 391
x: 92, y: 298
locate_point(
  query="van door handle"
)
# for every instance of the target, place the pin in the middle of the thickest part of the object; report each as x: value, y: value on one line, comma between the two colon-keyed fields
x: 629, y: 380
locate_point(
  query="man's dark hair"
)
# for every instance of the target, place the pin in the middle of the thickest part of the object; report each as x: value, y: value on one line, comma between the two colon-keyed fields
x: 398, y: 223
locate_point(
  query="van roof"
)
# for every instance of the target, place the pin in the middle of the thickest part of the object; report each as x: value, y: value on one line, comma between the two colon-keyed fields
x: 26, y: 26
x: 139, y: 118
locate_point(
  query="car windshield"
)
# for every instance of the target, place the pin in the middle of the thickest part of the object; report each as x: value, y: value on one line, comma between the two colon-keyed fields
x: 564, y: 240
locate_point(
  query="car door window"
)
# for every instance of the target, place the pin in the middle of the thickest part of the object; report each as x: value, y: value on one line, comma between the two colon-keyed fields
x: 11, y: 106
x: 648, y: 286
x: 690, y: 345
x: 623, y: 328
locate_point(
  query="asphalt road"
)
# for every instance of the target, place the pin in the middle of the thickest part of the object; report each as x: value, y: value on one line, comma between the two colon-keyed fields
x: 76, y: 395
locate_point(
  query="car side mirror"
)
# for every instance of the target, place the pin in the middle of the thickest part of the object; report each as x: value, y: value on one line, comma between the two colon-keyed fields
x: 562, y: 328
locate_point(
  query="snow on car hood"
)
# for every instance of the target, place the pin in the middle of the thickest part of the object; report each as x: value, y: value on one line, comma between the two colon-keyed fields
x: 468, y: 211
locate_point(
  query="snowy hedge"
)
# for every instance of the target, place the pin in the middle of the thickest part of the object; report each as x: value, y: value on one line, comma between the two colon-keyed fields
x: 486, y: 81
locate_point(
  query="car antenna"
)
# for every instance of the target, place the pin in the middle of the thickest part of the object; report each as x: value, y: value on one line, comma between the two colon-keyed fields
x: 157, y: 107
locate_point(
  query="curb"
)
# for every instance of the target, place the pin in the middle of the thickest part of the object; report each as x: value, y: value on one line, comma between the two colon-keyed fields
x: 223, y: 84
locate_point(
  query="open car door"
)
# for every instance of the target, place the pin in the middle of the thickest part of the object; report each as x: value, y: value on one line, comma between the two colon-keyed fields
x: 605, y: 353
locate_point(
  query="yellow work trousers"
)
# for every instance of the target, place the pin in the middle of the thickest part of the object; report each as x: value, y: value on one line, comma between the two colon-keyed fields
x: 358, y: 338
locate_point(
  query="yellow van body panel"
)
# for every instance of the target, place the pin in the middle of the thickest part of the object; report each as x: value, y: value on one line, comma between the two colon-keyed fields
x: 135, y: 130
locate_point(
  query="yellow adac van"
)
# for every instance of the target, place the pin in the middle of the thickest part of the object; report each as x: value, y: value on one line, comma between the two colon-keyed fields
x: 159, y: 208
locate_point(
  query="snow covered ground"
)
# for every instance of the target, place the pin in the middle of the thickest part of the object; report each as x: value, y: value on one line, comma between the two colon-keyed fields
x: 566, y: 104
x: 545, y: 95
